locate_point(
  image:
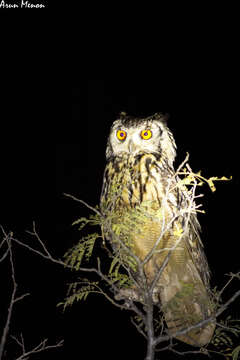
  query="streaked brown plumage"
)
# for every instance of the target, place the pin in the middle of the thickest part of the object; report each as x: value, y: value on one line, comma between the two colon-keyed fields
x: 139, y: 171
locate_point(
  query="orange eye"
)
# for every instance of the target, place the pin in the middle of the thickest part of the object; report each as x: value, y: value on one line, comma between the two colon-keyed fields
x: 146, y: 134
x: 121, y: 135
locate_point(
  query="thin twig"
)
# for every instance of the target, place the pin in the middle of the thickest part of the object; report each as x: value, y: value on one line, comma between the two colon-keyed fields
x: 225, y: 286
x: 4, y: 255
x: 227, y: 327
x: 34, y: 233
x: 83, y: 202
x: 225, y: 306
x: 45, y: 256
x: 205, y: 352
x: 182, y: 164
x: 21, y: 297
x: 4, y: 241
x: 42, y: 346
x: 98, y: 271
x: 37, y: 349
x: 11, y: 303
x: 138, y: 328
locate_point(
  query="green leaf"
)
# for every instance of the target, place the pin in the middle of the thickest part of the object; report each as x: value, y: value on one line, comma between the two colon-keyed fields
x: 83, y: 249
x: 82, y: 221
x: 236, y: 352
x: 113, y: 264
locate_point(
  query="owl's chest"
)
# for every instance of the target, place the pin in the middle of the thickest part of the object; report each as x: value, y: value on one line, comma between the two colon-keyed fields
x: 133, y: 181
x: 141, y: 199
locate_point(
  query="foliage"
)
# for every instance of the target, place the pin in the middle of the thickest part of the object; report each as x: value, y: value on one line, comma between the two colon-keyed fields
x: 190, y: 178
x: 78, y: 291
x: 116, y: 277
x: 83, y: 250
x: 235, y: 353
x: 226, y: 332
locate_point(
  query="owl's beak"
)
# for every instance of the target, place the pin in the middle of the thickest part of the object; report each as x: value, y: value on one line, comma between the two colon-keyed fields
x: 131, y: 146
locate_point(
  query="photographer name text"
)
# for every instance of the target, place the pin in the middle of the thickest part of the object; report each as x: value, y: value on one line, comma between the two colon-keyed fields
x: 23, y: 4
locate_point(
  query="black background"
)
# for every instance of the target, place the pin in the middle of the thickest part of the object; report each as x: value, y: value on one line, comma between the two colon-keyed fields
x: 58, y: 105
x: 203, y: 120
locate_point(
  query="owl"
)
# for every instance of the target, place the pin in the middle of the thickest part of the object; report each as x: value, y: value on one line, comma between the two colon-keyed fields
x: 136, y: 193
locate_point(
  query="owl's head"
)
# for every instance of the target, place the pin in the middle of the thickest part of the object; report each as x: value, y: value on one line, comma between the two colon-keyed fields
x: 132, y: 136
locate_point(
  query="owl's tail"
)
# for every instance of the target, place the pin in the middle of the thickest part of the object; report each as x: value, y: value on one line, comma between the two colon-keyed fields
x: 185, y: 302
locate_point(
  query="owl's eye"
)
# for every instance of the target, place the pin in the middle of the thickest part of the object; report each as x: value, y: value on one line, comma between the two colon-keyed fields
x: 146, y: 134
x: 121, y: 135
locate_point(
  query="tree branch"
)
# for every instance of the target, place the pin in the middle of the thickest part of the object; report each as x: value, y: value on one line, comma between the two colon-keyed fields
x: 42, y: 346
x: 8, y: 238
x: 13, y: 298
x: 82, y: 202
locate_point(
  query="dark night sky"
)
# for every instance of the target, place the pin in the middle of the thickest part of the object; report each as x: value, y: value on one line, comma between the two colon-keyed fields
x: 203, y: 118
x: 56, y: 133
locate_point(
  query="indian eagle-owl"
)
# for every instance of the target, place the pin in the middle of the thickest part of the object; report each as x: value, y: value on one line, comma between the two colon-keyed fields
x: 140, y: 155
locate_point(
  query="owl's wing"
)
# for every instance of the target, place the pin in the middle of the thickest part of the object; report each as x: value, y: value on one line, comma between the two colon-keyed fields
x: 196, y: 250
x: 184, y: 293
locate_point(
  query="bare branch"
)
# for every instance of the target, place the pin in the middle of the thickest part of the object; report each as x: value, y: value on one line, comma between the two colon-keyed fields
x: 202, y: 351
x: 182, y: 164
x: 45, y: 253
x: 4, y: 255
x: 139, y: 329
x: 21, y: 297
x: 34, y: 233
x: 225, y: 306
x: 170, y: 347
x: 232, y: 276
x: 8, y: 238
x: 42, y: 346
x: 83, y: 202
x: 4, y: 241
x: 227, y: 327
x: 12, y: 300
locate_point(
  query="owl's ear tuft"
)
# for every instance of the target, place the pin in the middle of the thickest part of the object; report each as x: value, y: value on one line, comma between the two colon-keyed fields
x: 122, y: 114
x: 162, y: 117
